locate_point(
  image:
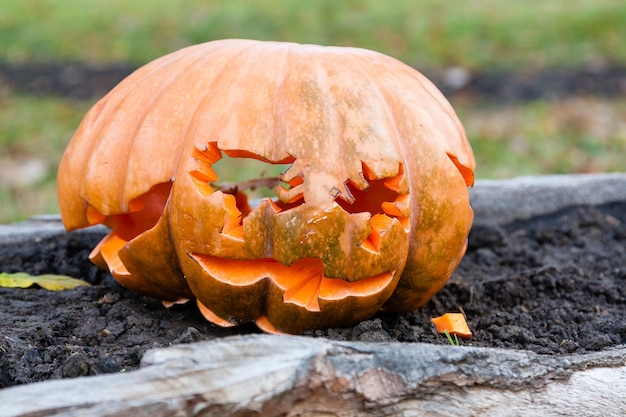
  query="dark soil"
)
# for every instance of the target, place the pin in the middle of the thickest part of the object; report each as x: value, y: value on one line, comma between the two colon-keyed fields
x: 554, y: 285
x: 81, y: 81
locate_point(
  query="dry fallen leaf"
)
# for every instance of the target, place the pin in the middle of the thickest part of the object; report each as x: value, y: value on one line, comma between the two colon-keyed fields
x: 48, y: 281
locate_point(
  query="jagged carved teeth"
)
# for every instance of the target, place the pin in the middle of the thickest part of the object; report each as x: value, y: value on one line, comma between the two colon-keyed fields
x: 289, y: 195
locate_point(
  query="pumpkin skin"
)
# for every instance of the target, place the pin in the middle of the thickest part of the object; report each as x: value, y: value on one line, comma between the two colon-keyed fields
x: 372, y: 213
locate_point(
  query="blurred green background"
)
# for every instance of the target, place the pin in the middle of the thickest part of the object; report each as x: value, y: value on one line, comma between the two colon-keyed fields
x: 450, y: 41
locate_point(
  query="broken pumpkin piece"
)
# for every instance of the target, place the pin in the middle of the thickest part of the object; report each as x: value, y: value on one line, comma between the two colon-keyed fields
x: 144, y: 262
x: 371, y: 212
x: 212, y: 317
x: 452, y: 323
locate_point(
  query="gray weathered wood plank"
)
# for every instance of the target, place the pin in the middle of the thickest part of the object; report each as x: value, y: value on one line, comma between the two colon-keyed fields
x: 269, y: 375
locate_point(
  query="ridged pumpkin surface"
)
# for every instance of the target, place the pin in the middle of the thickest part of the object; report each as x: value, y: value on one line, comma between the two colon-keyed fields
x: 373, y: 211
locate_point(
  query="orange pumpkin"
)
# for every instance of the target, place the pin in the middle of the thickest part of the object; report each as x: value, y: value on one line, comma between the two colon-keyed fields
x: 372, y: 213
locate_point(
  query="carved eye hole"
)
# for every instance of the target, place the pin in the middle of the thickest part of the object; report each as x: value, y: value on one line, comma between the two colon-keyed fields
x: 242, y: 175
x: 236, y: 171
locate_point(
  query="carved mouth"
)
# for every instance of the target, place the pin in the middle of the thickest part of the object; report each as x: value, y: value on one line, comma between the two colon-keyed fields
x: 302, y: 283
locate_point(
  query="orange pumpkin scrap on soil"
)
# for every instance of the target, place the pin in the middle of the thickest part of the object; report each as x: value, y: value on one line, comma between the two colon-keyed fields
x: 453, y: 323
x: 372, y: 213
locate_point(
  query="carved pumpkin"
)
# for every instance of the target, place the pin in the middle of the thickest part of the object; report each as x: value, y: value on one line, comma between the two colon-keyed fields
x: 372, y: 213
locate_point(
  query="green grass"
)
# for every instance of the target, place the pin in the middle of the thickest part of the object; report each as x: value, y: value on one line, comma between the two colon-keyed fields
x: 36, y: 125
x: 425, y: 33
x: 33, y: 129
x: 572, y: 136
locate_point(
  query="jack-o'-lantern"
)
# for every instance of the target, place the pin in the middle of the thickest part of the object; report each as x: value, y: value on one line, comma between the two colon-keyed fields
x: 372, y: 211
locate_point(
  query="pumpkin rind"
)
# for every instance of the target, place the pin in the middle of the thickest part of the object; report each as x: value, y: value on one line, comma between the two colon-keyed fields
x: 374, y: 203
